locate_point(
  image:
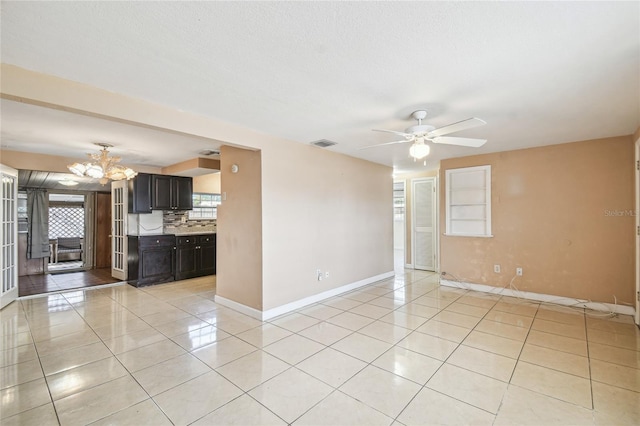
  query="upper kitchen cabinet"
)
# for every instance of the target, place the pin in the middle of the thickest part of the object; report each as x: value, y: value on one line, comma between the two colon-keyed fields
x: 160, y: 192
x: 140, y: 194
x: 171, y: 192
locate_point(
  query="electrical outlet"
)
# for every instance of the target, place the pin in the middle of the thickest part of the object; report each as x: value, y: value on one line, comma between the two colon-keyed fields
x: 496, y: 269
x: 319, y: 274
x: 326, y: 274
x: 519, y: 272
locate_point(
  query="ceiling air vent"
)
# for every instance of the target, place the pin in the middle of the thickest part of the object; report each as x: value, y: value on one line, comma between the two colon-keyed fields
x: 324, y: 143
x: 209, y: 152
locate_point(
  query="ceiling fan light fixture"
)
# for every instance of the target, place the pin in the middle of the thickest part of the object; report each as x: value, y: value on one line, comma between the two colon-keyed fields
x: 102, y: 167
x: 419, y: 150
x: 418, y: 134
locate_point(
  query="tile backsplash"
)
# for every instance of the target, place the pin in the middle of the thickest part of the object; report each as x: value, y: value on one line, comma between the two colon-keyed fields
x: 176, y: 222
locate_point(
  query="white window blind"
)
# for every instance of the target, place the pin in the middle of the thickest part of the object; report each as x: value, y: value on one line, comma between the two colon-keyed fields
x: 468, y: 201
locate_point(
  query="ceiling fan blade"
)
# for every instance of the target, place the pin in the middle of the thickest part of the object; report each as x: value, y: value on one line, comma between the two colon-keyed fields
x: 405, y: 135
x: 383, y: 144
x: 452, y: 140
x: 469, y: 123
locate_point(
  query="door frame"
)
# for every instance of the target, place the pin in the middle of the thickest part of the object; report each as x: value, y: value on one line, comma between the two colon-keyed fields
x: 637, y: 230
x: 435, y: 221
x: 404, y: 222
x: 12, y: 294
x: 89, y: 229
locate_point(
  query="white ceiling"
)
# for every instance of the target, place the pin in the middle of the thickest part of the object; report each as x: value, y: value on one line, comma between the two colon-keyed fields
x: 538, y: 72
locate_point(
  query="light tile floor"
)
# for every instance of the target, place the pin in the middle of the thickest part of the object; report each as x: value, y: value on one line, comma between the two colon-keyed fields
x: 403, y: 351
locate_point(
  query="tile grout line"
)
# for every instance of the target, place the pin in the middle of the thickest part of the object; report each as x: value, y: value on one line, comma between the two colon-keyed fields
x: 46, y: 382
x: 368, y: 364
x: 424, y: 386
x: 586, y: 338
x: 130, y: 374
x: 334, y: 389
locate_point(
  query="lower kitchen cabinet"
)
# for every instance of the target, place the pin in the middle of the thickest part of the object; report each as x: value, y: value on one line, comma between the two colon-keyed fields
x: 151, y: 259
x: 207, y: 255
x: 195, y: 256
x: 186, y: 257
x: 156, y: 259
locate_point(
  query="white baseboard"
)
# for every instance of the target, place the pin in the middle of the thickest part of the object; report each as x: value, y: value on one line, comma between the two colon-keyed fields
x: 243, y: 309
x: 292, y: 306
x: 549, y: 298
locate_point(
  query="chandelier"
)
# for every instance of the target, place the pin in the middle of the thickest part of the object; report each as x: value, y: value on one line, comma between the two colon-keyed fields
x: 102, y: 166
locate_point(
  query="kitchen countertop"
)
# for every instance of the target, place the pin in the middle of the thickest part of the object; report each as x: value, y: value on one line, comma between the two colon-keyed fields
x: 179, y: 234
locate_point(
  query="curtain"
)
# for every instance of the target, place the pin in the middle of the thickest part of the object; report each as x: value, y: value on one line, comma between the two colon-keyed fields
x: 38, y: 213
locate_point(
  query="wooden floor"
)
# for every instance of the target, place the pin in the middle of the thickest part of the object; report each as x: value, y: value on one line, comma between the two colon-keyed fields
x: 36, y: 284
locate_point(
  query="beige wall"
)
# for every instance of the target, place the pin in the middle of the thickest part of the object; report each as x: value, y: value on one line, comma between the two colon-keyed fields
x: 552, y: 214
x: 407, y: 178
x: 207, y: 183
x: 327, y: 211
x: 320, y: 209
x: 298, y: 210
x: 239, y: 240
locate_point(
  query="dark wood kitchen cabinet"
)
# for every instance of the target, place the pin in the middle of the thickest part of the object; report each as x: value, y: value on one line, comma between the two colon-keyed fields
x: 207, y: 254
x: 151, y: 259
x: 149, y: 192
x: 172, y: 192
x: 186, y: 257
x: 195, y: 256
x: 139, y: 194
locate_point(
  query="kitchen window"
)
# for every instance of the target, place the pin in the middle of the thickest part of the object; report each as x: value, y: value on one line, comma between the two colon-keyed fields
x: 205, y: 206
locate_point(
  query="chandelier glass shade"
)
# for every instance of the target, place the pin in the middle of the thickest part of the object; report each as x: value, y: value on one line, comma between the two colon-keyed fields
x: 102, y: 167
x: 419, y: 149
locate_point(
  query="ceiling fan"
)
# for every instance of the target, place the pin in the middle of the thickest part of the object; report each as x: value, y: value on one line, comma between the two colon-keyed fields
x: 423, y: 132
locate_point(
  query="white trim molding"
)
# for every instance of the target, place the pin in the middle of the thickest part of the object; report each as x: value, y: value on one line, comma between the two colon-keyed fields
x: 549, y: 298
x: 243, y: 309
x: 292, y: 306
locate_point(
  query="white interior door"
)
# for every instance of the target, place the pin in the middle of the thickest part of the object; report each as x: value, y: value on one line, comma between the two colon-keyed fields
x: 9, y: 235
x: 638, y: 232
x: 119, y: 211
x: 423, y: 217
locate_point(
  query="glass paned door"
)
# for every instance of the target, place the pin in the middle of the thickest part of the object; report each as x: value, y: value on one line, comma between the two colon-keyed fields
x: 119, y: 210
x: 9, y: 238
